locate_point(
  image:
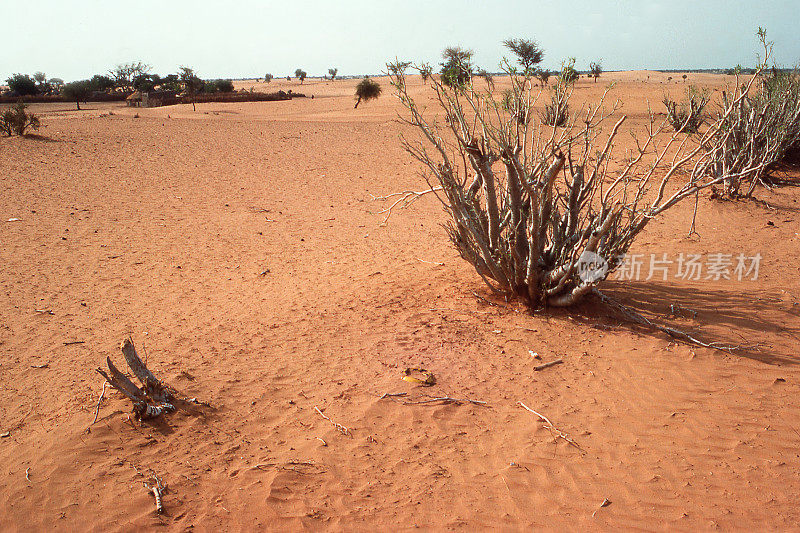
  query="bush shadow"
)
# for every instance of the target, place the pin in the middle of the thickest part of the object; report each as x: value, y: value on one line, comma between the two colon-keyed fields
x: 757, y: 321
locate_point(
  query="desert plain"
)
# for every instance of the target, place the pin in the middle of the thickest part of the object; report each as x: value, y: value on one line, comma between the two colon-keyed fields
x: 241, y: 246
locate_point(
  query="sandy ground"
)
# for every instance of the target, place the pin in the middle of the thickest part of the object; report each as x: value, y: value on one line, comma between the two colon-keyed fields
x: 160, y: 227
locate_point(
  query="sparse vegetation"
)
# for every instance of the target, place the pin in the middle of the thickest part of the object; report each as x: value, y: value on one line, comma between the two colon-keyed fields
x: 332, y: 73
x: 16, y: 120
x: 762, y: 129
x: 526, y: 231
x: 300, y: 74
x: 366, y: 90
x: 267, y: 78
x: 687, y: 117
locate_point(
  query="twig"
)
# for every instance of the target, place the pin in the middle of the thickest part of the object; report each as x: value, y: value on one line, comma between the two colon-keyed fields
x: 429, y: 262
x: 44, y: 311
x: 549, y: 425
x: 27, y: 474
x: 393, y: 395
x: 68, y: 343
x: 97, y: 407
x: 322, y: 441
x: 479, y: 297
x: 606, y: 503
x: 157, y: 489
x: 446, y: 399
x: 406, y: 199
x: 343, y: 429
x: 548, y: 365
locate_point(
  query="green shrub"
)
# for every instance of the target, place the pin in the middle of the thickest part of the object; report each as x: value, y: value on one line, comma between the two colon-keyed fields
x: 367, y: 89
x: 17, y: 120
x: 687, y: 117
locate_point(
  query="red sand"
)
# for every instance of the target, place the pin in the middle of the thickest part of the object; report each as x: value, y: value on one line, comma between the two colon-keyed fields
x: 159, y: 227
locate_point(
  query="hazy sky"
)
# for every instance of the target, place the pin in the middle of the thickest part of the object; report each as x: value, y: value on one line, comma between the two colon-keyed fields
x: 73, y: 39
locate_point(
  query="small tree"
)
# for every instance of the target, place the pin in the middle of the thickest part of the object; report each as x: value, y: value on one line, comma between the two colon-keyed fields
x: 100, y: 82
x: 17, y: 120
x: 684, y: 78
x: 595, y: 69
x: 267, y: 78
x: 300, y: 74
x: 124, y: 74
x: 332, y: 73
x: 191, y: 83
x: 78, y: 91
x: 543, y: 76
x: 425, y: 72
x: 41, y: 81
x: 568, y: 73
x: 56, y: 84
x: 22, y: 85
x: 528, y: 53
x: 367, y: 89
x: 457, y: 66
x: 486, y: 75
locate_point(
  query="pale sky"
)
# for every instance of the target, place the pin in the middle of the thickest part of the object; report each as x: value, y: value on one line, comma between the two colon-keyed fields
x: 73, y: 39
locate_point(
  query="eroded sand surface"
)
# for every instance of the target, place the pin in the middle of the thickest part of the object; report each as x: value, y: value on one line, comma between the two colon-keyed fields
x: 159, y: 227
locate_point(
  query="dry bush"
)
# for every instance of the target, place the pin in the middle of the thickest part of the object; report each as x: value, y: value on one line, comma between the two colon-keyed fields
x: 556, y: 113
x: 762, y: 131
x: 687, y: 117
x: 531, y: 205
x: 17, y: 120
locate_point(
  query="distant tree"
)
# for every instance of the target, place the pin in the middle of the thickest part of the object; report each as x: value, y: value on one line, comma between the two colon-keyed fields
x: 56, y: 84
x: 146, y: 82
x: 367, y: 89
x: 288, y: 78
x: 41, y: 82
x: 595, y: 69
x: 78, y: 91
x: 102, y: 83
x: 568, y: 73
x: 332, y: 72
x: 300, y: 74
x: 17, y: 120
x: 528, y: 54
x: 684, y: 78
x: 22, y: 85
x: 457, y: 66
x: 426, y: 71
x: 267, y: 78
x: 544, y: 76
x: 191, y: 83
x: 171, y: 82
x: 124, y: 74
x: 218, y: 86
x: 486, y: 75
